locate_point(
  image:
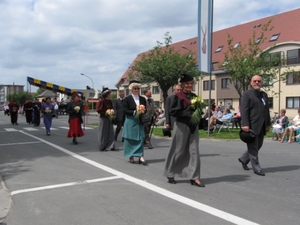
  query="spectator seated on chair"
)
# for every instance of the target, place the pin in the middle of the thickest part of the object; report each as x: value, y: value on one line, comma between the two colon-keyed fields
x: 279, y: 125
x: 226, y: 116
x: 236, y: 119
x: 216, y: 114
x: 294, y: 126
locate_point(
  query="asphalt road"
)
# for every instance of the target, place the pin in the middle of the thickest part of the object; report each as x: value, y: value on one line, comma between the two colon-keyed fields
x: 53, y: 181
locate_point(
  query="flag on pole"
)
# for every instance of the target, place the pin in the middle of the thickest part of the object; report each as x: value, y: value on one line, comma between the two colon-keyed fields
x: 205, y: 15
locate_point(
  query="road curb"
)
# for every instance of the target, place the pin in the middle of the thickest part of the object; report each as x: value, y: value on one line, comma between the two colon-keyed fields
x: 5, y: 200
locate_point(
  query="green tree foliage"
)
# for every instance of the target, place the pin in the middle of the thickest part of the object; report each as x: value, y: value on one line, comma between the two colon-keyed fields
x: 246, y: 60
x: 20, y: 97
x: 164, y: 65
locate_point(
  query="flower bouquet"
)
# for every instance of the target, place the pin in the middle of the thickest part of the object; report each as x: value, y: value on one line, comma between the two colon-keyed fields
x: 48, y: 110
x: 140, y: 109
x: 196, y: 106
x: 77, y: 109
x: 110, y: 114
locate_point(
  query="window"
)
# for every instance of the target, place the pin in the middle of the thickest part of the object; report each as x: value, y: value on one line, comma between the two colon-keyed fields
x: 292, y: 102
x: 206, y: 85
x: 293, y: 56
x: 258, y: 40
x: 293, y: 78
x: 155, y: 90
x: 236, y: 45
x: 91, y: 95
x: 225, y: 83
x: 215, y: 65
x: 274, y: 37
x: 270, y: 100
x: 267, y: 80
x: 219, y: 48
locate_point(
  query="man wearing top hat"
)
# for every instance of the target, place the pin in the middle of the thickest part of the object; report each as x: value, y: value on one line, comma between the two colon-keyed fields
x: 119, y: 113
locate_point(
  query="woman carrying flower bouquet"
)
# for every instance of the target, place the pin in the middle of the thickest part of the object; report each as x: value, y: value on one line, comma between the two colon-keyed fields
x: 105, y: 110
x: 75, y: 111
x: 133, y: 129
x: 48, y: 110
x: 183, y: 159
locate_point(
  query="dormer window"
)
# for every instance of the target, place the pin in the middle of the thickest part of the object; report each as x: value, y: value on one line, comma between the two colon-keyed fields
x: 258, y: 40
x: 219, y: 48
x: 236, y: 45
x: 274, y: 37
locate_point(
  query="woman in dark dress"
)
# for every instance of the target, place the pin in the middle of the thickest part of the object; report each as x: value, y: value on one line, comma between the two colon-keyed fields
x: 75, y: 111
x: 133, y: 129
x: 104, y: 108
x: 28, y: 111
x: 183, y: 158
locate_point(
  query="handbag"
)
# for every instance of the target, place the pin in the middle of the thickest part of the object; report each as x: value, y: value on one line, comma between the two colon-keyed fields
x: 145, y: 119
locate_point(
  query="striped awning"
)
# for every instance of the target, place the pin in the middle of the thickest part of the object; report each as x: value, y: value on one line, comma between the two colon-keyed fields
x: 53, y: 87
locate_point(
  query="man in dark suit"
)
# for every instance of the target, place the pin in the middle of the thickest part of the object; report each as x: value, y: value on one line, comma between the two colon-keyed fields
x: 119, y: 113
x: 255, y: 116
x: 170, y: 119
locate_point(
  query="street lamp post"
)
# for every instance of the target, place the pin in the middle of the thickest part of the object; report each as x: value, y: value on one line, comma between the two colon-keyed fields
x: 82, y: 74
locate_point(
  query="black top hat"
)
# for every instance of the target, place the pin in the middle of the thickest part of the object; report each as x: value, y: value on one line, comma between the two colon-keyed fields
x: 185, y: 78
x: 167, y: 132
x: 247, y: 137
x: 134, y: 81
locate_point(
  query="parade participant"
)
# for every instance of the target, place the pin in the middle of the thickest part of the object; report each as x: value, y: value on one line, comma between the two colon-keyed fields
x: 133, y: 130
x: 75, y: 111
x: 183, y: 158
x: 48, y: 111
x: 13, y: 110
x: 119, y: 114
x: 105, y: 127
x: 28, y: 110
x: 36, y: 112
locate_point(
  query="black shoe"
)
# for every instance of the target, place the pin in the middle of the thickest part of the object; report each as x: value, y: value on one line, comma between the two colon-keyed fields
x: 150, y: 147
x: 103, y: 150
x: 259, y: 173
x: 131, y: 160
x: 245, y: 167
x: 171, y: 180
x: 196, y: 184
x: 143, y: 162
x: 114, y: 149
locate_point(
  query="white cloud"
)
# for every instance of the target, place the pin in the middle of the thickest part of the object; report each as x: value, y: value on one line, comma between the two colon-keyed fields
x: 57, y: 40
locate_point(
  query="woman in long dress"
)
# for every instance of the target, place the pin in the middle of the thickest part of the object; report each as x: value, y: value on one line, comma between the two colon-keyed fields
x: 133, y: 129
x: 48, y: 110
x: 104, y: 108
x: 183, y: 158
x: 75, y: 111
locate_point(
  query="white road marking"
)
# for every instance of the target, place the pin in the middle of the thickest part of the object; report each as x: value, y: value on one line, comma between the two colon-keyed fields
x: 21, y: 143
x: 30, y: 129
x: 87, y: 128
x: 63, y: 185
x: 10, y: 129
x: 197, y: 205
x: 50, y: 128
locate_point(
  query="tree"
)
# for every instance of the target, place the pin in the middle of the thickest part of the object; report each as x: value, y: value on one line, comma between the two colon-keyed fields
x: 244, y: 61
x: 20, y: 97
x: 164, y: 65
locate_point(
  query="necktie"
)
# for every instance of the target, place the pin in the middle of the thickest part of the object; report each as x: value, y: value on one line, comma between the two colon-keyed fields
x: 149, y: 101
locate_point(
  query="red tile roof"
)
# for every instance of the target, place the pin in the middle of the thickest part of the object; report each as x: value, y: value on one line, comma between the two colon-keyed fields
x: 286, y: 24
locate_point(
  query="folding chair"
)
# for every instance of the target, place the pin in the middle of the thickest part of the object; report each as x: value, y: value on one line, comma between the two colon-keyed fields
x: 224, y: 125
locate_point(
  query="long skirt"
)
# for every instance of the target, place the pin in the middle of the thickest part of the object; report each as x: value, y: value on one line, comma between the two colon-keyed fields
x: 48, y: 123
x: 183, y: 158
x: 75, y: 129
x: 134, y: 135
x: 105, y: 134
x: 28, y: 115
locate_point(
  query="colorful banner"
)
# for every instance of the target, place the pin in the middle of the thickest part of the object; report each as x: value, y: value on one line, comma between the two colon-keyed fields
x: 205, y: 16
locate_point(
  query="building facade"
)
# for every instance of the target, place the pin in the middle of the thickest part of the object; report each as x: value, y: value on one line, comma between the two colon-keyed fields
x: 7, y: 89
x: 284, y: 41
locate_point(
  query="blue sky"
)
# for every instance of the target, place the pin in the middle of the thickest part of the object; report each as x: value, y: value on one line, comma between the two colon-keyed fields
x: 57, y: 40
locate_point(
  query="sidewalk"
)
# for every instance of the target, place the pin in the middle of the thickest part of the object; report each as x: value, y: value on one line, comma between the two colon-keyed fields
x: 5, y: 200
